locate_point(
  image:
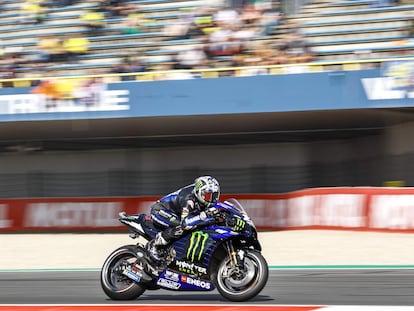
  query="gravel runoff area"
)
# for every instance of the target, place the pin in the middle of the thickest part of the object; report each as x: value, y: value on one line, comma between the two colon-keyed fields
x: 282, y: 248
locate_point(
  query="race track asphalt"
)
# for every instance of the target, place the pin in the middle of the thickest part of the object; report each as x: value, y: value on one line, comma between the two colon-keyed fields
x: 285, y: 287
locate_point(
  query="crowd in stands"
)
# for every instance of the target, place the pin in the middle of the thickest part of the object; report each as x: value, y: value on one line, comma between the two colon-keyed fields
x: 225, y: 33
x: 85, y: 93
x: 243, y: 35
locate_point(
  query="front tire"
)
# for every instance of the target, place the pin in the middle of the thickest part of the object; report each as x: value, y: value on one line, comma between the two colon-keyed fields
x: 116, y: 285
x: 242, y: 284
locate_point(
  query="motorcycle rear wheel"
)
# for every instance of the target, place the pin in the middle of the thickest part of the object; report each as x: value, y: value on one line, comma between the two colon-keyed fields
x: 242, y: 284
x: 116, y: 285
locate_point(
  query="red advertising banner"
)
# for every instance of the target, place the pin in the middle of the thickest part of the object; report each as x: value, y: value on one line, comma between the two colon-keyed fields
x: 359, y: 208
x: 68, y: 214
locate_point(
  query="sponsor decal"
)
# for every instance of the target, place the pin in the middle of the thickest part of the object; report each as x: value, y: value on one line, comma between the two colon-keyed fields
x: 190, y: 220
x: 198, y: 241
x: 110, y: 100
x: 396, y: 82
x: 392, y: 212
x: 172, y: 276
x: 190, y: 268
x: 168, y: 284
x: 132, y: 275
x: 196, y: 282
x: 72, y: 214
x: 383, y: 88
x: 239, y: 226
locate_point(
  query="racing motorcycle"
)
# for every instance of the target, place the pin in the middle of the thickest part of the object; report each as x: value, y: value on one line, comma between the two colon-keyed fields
x: 224, y: 254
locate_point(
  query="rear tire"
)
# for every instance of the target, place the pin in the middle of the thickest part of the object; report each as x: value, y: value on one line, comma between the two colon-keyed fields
x: 244, y: 284
x: 116, y: 285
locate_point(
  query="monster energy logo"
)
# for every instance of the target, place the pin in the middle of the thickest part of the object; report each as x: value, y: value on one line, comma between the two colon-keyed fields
x: 198, y: 184
x: 239, y: 224
x: 197, y: 244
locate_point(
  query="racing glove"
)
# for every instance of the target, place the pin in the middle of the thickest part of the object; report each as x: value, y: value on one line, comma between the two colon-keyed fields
x: 213, y: 212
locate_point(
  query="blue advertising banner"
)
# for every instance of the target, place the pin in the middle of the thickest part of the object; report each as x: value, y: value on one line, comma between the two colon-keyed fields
x: 390, y: 86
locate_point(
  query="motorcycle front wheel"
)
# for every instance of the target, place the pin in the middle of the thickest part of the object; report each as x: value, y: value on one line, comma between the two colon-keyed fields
x: 242, y: 283
x: 114, y: 283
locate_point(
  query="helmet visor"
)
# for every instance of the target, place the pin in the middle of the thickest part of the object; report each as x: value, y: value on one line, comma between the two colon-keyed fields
x: 210, y: 197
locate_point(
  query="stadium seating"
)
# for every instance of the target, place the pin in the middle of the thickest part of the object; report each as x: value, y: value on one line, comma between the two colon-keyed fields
x: 335, y: 30
x: 342, y: 30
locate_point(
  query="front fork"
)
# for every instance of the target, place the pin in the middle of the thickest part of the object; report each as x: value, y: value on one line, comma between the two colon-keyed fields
x: 236, y: 257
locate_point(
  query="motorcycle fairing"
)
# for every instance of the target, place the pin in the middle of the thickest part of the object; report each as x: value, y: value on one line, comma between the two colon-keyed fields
x: 173, y: 280
x: 194, y: 250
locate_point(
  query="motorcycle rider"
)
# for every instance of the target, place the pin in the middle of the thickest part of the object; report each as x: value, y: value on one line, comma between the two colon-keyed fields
x: 181, y: 211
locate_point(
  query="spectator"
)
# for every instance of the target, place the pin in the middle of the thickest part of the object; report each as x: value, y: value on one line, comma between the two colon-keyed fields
x: 134, y: 22
x: 50, y: 49
x: 91, y: 92
x: 223, y: 43
x: 136, y: 65
x: 297, y: 49
x: 14, y: 62
x: 295, y: 46
x: 32, y: 11
x: 245, y: 32
x: 226, y: 17
x: 47, y: 89
x: 75, y: 46
x: 177, y: 30
x: 251, y: 14
x: 277, y: 56
x: 203, y: 23
x: 65, y: 89
x: 270, y: 21
x: 129, y: 65
x: 194, y: 58
x: 94, y: 20
x: 115, y: 8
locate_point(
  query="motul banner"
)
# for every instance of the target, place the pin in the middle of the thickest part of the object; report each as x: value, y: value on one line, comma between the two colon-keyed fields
x: 68, y: 214
x: 361, y: 208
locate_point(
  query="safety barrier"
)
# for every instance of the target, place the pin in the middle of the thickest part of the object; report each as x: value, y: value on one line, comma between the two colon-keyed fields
x: 339, y: 208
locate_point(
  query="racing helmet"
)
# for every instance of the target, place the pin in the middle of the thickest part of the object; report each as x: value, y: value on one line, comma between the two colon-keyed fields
x: 206, y: 190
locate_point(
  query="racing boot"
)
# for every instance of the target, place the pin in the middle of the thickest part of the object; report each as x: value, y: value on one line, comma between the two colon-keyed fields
x: 155, y: 248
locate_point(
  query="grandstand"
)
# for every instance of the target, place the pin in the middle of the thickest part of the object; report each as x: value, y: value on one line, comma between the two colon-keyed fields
x: 341, y: 30
x: 335, y: 31
x: 320, y: 140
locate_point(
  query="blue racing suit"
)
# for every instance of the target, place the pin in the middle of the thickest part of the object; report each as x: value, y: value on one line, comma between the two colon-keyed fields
x: 178, y: 211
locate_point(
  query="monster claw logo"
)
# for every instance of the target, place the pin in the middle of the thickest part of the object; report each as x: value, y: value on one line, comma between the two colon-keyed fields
x: 239, y: 225
x: 197, y: 244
